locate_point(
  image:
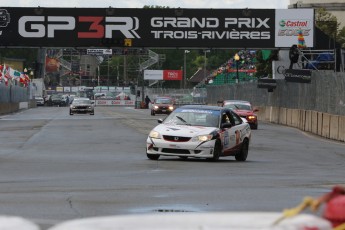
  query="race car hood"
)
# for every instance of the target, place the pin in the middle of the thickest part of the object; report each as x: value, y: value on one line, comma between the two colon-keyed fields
x: 183, y: 130
x: 161, y: 105
x: 243, y: 112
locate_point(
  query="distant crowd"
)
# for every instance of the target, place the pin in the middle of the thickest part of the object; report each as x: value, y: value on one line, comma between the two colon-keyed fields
x: 247, y: 62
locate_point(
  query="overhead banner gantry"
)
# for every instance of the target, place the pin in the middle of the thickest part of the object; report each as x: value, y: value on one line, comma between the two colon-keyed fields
x: 155, y: 28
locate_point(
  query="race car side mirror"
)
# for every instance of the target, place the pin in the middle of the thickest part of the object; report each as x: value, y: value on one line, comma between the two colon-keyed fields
x: 160, y: 121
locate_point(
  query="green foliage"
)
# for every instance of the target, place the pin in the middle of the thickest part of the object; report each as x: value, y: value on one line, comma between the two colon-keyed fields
x: 28, y: 54
x: 264, y: 67
x: 326, y: 22
x: 341, y: 37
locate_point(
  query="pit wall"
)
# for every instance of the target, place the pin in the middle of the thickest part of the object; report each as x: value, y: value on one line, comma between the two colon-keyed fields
x: 318, y: 123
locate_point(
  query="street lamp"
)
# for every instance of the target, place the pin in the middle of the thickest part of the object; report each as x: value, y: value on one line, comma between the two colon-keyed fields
x: 184, y: 69
x: 205, y: 62
x: 29, y: 72
x: 237, y: 58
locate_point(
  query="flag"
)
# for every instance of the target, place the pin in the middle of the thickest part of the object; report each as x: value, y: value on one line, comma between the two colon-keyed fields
x: 6, y: 73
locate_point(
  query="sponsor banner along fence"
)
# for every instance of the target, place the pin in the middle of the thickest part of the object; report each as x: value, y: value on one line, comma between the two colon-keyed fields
x: 114, y: 102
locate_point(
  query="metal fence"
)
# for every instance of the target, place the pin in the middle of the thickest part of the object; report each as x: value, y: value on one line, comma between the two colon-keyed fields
x: 325, y: 93
x: 13, y: 94
x: 181, y: 96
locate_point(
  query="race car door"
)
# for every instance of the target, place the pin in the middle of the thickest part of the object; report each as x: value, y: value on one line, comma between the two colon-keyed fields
x: 231, y: 135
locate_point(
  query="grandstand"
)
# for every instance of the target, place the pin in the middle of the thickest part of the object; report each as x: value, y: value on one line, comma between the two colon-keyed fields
x: 227, y: 73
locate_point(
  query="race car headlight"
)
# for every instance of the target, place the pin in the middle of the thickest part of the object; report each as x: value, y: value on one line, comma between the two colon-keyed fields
x: 203, y: 138
x: 155, y: 134
x: 251, y: 117
x: 171, y: 107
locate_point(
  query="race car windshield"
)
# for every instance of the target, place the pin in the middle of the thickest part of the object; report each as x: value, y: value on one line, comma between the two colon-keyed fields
x: 238, y: 106
x: 163, y: 101
x: 81, y: 102
x: 206, y: 118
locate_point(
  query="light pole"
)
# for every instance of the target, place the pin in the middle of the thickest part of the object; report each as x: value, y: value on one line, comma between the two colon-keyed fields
x: 205, y: 62
x: 237, y: 58
x: 184, y: 68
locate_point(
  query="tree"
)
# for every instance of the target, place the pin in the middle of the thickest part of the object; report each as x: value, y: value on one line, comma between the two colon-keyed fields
x: 341, y: 37
x: 264, y: 62
x: 29, y: 54
x: 326, y: 22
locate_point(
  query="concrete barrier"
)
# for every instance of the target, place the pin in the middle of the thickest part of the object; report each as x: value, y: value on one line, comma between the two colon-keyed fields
x: 295, y: 117
x: 314, y: 122
x: 282, y: 116
x: 334, y: 127
x: 23, y: 105
x: 6, y: 108
x: 308, y: 121
x: 341, y: 129
x: 319, y: 123
x: 322, y: 124
x: 302, y: 119
x: 326, y: 118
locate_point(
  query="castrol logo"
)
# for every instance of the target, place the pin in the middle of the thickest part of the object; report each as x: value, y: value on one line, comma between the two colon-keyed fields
x: 293, y: 23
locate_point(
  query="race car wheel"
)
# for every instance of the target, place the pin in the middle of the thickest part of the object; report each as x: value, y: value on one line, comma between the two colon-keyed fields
x: 242, y: 155
x: 152, y: 156
x: 216, y: 151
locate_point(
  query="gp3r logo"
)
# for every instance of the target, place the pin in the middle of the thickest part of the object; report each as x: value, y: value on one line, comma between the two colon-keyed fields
x: 47, y: 26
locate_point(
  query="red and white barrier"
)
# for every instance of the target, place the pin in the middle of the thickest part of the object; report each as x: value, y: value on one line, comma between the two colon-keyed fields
x: 114, y: 102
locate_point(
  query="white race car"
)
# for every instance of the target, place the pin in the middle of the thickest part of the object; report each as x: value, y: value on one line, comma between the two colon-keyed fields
x: 200, y: 131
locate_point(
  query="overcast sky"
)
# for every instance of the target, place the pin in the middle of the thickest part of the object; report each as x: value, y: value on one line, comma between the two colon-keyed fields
x: 217, y: 4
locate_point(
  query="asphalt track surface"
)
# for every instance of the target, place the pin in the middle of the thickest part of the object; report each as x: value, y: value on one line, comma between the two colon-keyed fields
x: 56, y: 167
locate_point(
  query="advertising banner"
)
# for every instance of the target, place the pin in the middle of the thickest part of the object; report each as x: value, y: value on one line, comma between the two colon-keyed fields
x: 99, y: 52
x: 172, y: 75
x: 52, y: 65
x: 166, y: 75
x: 153, y: 74
x: 119, y: 27
x: 298, y: 75
x: 294, y: 27
x: 267, y: 83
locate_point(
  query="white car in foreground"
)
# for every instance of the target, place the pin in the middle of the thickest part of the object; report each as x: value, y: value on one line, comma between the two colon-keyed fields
x: 200, y: 131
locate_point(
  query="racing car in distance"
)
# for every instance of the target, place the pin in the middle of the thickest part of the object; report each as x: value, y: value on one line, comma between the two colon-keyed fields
x: 243, y: 109
x: 82, y: 105
x: 200, y: 131
x: 162, y: 105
